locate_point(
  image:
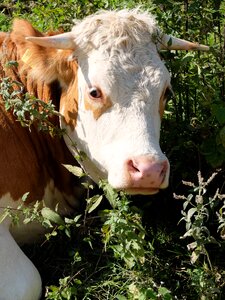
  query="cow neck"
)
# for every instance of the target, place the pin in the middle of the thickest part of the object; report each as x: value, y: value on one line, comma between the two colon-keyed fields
x: 34, y: 158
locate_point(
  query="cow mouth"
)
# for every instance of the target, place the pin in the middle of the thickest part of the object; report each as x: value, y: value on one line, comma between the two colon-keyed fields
x: 141, y: 191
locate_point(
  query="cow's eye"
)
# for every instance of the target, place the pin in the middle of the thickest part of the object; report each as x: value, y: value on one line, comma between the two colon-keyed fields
x: 95, y: 93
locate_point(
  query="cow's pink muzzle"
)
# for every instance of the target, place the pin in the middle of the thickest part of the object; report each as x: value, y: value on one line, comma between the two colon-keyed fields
x: 146, y: 175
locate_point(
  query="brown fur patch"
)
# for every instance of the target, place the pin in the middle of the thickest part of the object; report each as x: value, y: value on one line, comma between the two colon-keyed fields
x: 97, y: 108
x: 162, y: 104
x: 29, y: 159
x: 69, y: 104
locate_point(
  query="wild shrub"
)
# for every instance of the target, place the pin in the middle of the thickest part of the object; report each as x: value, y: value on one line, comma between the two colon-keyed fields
x: 130, y: 248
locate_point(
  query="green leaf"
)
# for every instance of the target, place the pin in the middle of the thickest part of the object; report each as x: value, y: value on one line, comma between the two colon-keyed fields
x: 191, y: 213
x: 121, y: 297
x: 11, y: 63
x: 24, y: 197
x: 93, y: 203
x: 187, y: 58
x: 110, y: 193
x: 192, y: 246
x: 194, y: 256
x: 77, y: 218
x: 77, y: 171
x: 165, y: 293
x: 219, y: 112
x: 53, y: 288
x: 52, y: 216
x: 67, y: 232
x: 150, y: 294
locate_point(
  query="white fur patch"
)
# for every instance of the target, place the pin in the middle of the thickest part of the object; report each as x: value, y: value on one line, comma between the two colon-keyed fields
x: 19, y: 279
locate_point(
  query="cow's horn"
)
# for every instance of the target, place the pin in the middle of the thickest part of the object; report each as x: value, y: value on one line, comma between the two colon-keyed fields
x: 60, y: 41
x: 168, y: 42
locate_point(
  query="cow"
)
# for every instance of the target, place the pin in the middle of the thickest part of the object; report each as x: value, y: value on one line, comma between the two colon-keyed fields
x: 109, y: 84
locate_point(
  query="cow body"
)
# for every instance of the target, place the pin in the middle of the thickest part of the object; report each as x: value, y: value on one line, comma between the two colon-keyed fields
x: 30, y: 161
x: 109, y: 84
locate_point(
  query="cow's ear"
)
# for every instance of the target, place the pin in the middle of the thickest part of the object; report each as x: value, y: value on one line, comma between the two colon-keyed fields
x: 20, y: 30
x: 46, y: 64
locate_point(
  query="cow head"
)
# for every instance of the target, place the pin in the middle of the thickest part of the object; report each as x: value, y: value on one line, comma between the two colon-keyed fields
x: 113, y: 106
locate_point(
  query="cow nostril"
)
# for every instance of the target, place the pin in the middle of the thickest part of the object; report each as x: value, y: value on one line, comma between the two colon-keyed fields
x: 131, y: 166
x: 164, y: 170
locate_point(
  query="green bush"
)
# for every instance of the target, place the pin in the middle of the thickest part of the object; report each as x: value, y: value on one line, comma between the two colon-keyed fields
x: 135, y: 247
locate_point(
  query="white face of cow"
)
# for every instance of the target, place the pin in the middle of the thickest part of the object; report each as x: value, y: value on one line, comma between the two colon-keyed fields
x: 120, y: 91
x: 118, y: 120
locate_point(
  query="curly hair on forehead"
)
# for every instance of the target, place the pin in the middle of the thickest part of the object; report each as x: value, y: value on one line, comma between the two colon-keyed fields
x: 114, y: 29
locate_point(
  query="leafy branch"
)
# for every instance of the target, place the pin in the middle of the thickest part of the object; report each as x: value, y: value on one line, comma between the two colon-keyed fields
x: 197, y: 209
x: 28, y: 109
